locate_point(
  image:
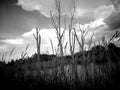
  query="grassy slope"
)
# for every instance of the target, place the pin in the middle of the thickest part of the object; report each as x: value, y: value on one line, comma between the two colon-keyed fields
x: 99, y: 68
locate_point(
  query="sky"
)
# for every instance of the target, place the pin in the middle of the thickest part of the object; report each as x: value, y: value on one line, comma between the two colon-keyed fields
x: 19, y: 18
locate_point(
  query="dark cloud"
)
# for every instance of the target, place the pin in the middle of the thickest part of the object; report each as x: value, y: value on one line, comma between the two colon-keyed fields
x: 8, y: 2
x: 116, y: 3
x: 113, y: 21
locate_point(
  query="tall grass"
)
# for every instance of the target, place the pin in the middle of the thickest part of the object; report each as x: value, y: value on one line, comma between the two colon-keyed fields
x: 24, y: 53
x: 3, y: 57
x: 11, y: 52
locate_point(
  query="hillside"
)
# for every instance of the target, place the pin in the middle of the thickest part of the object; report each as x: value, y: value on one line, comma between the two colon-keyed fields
x: 97, y: 68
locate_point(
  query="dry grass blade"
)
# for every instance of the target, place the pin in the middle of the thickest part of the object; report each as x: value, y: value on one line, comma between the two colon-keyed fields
x: 52, y: 45
x: 90, y: 41
x: 65, y: 48
x: 24, y: 53
x: 104, y: 42
x: 27, y: 47
x: 11, y: 52
x: 3, y: 56
x: 115, y: 35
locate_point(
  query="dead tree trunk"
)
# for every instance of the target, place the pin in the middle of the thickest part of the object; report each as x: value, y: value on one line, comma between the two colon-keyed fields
x: 38, y: 42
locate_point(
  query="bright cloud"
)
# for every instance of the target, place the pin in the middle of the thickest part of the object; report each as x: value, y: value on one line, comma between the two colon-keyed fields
x: 43, y: 33
x: 45, y: 6
x: 27, y: 34
x: 13, y: 41
x: 40, y: 5
x: 46, y: 34
x: 95, y: 26
x: 97, y: 23
x: 92, y: 25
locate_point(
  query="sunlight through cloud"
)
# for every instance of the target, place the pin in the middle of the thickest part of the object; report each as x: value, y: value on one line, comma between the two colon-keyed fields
x: 13, y: 41
x: 97, y: 23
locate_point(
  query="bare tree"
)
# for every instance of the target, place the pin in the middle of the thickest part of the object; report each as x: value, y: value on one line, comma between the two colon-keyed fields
x: 56, y: 20
x: 81, y: 41
x: 72, y: 32
x: 72, y: 39
x: 38, y: 42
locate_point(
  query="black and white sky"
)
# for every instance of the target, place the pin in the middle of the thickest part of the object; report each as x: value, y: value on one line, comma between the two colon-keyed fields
x: 18, y: 18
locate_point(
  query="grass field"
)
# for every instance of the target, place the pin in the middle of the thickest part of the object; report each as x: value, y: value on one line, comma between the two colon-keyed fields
x: 97, y: 70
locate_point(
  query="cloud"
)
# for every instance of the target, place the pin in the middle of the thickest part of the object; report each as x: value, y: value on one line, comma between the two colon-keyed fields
x: 43, y: 32
x: 27, y: 34
x: 97, y: 27
x: 97, y: 23
x: 45, y: 6
x: 113, y: 21
x: 116, y: 4
x: 104, y: 11
x: 110, y: 15
x: 80, y: 12
x: 13, y: 41
x: 46, y: 34
x: 92, y: 25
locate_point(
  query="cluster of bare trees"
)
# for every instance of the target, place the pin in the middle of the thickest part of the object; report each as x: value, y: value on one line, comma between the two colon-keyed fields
x: 56, y: 20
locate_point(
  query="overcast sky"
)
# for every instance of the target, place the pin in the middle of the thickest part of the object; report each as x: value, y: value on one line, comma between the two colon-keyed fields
x: 18, y: 18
